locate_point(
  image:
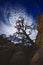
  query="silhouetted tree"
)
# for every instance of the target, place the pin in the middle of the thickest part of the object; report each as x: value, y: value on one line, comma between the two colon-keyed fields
x: 22, y: 27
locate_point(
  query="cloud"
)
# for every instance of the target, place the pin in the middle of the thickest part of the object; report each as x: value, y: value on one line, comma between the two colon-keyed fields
x: 34, y: 34
x: 8, y: 30
x: 11, y: 16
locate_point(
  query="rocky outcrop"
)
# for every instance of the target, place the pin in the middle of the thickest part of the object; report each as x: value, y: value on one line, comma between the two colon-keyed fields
x: 38, y: 57
x: 18, y: 58
x: 39, y: 38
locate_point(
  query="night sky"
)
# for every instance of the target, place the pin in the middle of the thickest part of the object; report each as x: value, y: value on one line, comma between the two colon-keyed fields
x: 28, y: 8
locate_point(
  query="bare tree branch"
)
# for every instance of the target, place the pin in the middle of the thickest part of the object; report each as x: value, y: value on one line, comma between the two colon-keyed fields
x: 31, y: 41
x: 21, y: 26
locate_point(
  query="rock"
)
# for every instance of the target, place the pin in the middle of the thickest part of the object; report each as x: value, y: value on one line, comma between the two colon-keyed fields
x: 39, y: 38
x: 18, y: 58
x: 5, y: 54
x: 38, y: 57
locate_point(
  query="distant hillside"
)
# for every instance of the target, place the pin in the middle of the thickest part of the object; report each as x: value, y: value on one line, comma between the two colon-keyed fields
x: 4, y: 40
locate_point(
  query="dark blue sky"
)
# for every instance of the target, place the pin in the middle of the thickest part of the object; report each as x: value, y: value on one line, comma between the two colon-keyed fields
x: 34, y: 7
